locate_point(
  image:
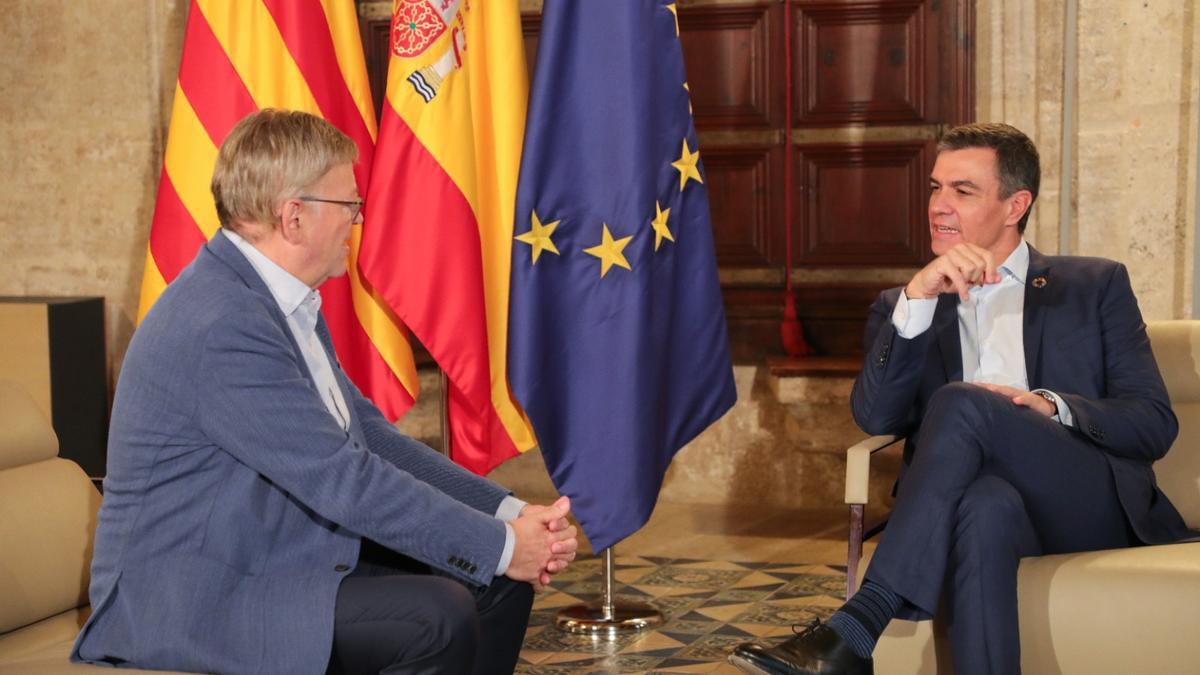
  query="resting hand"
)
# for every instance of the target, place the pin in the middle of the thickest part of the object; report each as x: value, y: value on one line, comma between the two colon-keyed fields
x: 956, y: 270
x: 545, y: 543
x: 1026, y: 399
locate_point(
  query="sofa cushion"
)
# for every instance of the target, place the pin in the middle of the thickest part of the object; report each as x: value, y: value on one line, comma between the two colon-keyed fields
x: 1141, y: 600
x: 1178, y: 473
x: 34, y: 639
x: 45, y: 647
x: 1176, y: 346
x: 25, y: 434
x: 47, y: 517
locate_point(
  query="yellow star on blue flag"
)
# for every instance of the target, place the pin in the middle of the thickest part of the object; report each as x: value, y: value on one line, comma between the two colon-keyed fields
x: 538, y: 237
x: 609, y: 251
x: 686, y: 166
x: 659, y: 224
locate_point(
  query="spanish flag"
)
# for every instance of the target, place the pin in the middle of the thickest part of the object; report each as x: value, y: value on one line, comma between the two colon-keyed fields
x: 439, y: 230
x: 239, y: 56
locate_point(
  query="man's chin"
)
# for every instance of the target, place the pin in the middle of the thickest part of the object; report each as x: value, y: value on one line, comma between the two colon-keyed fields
x: 942, y: 244
x: 334, y: 274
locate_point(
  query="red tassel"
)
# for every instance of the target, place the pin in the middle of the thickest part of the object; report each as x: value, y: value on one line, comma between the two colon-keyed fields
x: 790, y: 330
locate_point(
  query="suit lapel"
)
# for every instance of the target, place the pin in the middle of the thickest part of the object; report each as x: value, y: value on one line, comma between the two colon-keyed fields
x: 1037, y: 281
x: 945, y: 325
x: 227, y: 252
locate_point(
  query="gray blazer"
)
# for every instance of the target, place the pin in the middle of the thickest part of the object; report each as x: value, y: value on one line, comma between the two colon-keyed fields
x: 235, y: 504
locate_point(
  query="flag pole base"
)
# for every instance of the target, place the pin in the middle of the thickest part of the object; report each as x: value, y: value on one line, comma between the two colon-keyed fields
x: 607, y: 618
x: 592, y: 619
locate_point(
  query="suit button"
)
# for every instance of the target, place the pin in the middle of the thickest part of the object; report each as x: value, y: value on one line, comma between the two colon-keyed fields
x: 473, y: 569
x: 341, y: 568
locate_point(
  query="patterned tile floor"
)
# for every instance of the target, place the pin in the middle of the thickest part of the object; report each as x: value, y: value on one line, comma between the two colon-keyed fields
x: 709, y: 607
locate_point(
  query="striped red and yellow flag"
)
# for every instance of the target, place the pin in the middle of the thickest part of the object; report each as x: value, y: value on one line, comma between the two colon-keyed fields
x: 440, y: 214
x: 239, y: 56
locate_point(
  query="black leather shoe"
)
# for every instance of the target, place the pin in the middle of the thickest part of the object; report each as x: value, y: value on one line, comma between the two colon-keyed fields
x: 818, y: 650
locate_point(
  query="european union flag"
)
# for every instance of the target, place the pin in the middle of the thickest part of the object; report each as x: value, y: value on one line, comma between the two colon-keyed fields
x: 618, y: 348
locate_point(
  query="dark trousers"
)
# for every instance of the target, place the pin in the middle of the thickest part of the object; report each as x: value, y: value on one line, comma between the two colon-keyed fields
x: 990, y: 483
x: 394, y: 616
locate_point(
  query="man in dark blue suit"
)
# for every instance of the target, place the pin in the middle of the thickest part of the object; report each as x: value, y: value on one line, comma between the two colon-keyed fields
x: 1033, y: 408
x: 260, y: 514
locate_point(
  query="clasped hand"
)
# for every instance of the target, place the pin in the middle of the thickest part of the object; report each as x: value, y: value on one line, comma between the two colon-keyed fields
x: 545, y: 543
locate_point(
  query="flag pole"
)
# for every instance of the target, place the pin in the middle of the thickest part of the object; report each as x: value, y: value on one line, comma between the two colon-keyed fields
x: 606, y: 617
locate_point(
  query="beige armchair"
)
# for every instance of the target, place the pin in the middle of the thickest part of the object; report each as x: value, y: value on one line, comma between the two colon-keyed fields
x: 1121, y: 611
x: 47, y: 519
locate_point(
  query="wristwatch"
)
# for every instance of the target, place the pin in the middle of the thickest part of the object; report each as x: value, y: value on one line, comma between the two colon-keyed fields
x: 1049, y: 397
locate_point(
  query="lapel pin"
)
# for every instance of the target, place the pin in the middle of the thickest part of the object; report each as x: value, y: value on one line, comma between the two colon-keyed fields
x: 1039, y: 282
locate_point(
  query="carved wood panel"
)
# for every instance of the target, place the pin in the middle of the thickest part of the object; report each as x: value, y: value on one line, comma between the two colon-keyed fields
x: 861, y: 62
x: 739, y: 184
x: 864, y: 204
x: 727, y: 54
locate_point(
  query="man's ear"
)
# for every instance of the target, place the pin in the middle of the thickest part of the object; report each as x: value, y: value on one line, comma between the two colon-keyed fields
x: 1018, y: 205
x: 289, y: 220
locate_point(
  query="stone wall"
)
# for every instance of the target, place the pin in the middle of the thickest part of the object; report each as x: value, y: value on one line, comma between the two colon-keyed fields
x: 1114, y: 83
x: 86, y: 98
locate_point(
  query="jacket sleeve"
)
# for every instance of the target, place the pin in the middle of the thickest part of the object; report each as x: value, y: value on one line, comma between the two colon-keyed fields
x: 1133, y: 418
x: 884, y: 396
x: 424, y: 463
x: 256, y: 404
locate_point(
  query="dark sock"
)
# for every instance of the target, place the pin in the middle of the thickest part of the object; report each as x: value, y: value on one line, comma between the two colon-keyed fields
x: 862, y: 619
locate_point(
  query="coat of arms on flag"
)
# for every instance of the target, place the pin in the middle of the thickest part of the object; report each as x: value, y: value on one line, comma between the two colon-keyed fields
x: 419, y: 24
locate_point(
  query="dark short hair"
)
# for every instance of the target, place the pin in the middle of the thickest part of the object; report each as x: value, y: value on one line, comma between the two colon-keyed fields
x: 1017, y: 161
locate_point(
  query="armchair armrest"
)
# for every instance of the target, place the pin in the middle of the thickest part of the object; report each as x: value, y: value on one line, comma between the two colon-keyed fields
x: 858, y: 474
x: 858, y: 465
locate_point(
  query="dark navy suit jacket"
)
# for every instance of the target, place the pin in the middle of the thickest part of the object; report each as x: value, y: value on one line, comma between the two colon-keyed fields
x: 1084, y: 340
x: 235, y: 504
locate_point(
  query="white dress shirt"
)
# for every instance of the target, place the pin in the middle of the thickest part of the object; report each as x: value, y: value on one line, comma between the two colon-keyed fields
x: 990, y: 328
x: 301, y: 307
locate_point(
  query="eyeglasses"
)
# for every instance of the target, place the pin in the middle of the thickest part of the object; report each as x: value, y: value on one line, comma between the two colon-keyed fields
x: 355, y: 205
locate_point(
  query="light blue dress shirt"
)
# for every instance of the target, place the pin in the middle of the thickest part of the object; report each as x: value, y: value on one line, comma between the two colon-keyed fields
x: 301, y: 307
x: 990, y: 328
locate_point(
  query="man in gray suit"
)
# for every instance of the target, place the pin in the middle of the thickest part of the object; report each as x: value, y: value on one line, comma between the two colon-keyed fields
x: 260, y: 514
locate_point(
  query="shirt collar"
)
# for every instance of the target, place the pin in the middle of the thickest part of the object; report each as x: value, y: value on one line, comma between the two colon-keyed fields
x: 289, y: 292
x: 1017, y: 263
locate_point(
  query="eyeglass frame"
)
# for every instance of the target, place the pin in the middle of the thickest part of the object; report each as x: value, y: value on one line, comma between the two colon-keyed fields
x: 355, y: 204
